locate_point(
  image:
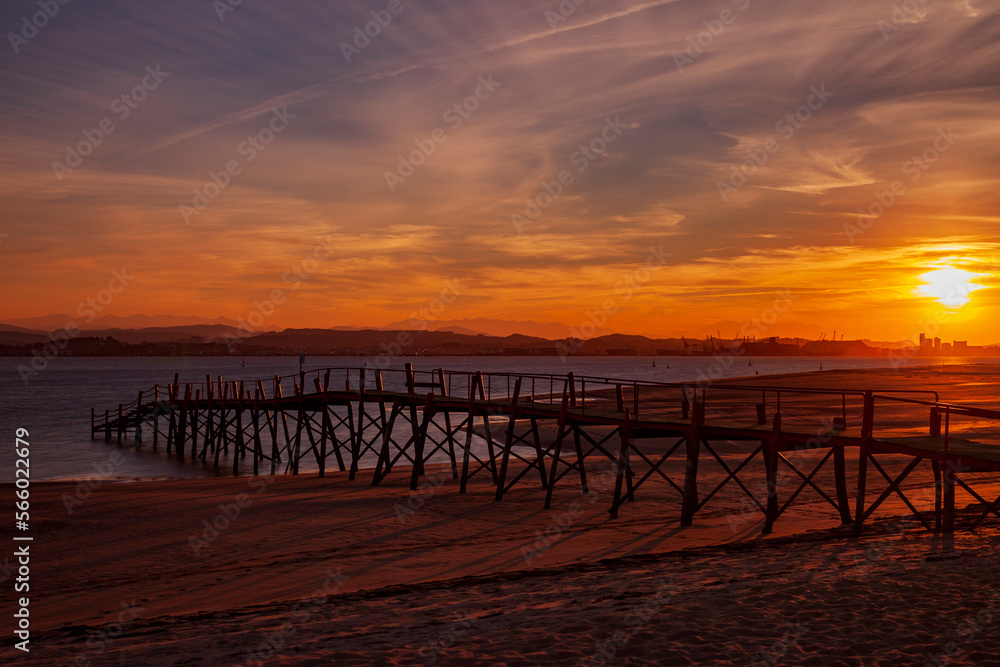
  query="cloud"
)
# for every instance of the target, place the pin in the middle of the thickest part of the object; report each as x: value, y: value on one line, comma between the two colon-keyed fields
x: 657, y: 183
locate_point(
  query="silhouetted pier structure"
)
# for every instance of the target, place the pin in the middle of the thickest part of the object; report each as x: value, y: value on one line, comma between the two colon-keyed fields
x: 481, y: 423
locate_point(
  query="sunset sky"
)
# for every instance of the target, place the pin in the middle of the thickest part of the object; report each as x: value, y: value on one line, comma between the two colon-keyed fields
x: 667, y: 98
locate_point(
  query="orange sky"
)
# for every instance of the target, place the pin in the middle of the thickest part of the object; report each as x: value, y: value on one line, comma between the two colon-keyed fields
x: 638, y: 106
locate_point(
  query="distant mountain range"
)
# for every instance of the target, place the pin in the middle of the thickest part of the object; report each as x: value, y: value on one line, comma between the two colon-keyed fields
x: 468, y: 336
x: 470, y: 327
x: 11, y: 335
x: 59, y: 321
x: 501, y: 328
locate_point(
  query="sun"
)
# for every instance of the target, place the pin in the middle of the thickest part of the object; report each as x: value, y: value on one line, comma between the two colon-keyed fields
x: 950, y: 286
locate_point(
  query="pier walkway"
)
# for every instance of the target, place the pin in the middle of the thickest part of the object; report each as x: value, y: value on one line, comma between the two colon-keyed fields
x: 515, y: 428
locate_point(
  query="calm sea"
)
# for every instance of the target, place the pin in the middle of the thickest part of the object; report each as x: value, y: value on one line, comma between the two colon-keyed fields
x: 55, y: 406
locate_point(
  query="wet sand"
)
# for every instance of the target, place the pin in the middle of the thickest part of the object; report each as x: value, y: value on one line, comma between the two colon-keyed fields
x: 309, y: 571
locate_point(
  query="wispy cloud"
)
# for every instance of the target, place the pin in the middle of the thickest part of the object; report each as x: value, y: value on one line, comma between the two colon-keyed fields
x: 657, y: 184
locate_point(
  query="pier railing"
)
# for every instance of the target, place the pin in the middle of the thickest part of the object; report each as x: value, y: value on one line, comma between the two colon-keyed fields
x: 364, y: 415
x: 591, y: 394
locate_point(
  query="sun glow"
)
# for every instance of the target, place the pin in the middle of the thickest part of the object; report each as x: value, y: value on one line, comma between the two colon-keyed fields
x: 950, y: 286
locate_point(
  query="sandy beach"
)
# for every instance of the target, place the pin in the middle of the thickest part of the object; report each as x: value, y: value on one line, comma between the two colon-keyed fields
x: 310, y: 571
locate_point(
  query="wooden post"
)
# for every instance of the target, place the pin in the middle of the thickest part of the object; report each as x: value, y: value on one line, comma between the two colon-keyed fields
x: 509, y: 440
x: 867, y: 429
x: 418, y: 461
x: 487, y: 429
x: 410, y: 381
x: 298, y: 427
x: 239, y: 444
x: 420, y: 441
x: 772, y: 451
x: 156, y: 416
x: 181, y: 435
x: 137, y: 436
x: 447, y: 427
x: 195, y: 416
x: 948, y: 480
x: 557, y: 448
x: 220, y: 431
x: 584, y: 486
x: 210, y: 430
x: 327, y: 428
x: 689, y: 502
x: 92, y: 424
x: 478, y: 386
x: 172, y: 426
x: 234, y: 396
x: 941, y: 480
x: 463, y: 484
x: 107, y: 426
x: 936, y: 468
x: 258, y: 452
x: 276, y: 395
x: 384, y: 465
x: 358, y: 435
x: 840, y: 474
x: 350, y: 429
x: 624, y: 465
x: 284, y: 424
x: 539, y: 452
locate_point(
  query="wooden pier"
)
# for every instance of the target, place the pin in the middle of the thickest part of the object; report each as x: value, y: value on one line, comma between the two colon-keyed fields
x: 487, y: 425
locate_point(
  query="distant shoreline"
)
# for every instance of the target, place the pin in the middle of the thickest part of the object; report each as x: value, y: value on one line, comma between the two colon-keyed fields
x: 994, y: 355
